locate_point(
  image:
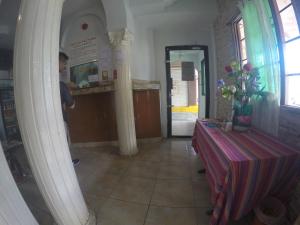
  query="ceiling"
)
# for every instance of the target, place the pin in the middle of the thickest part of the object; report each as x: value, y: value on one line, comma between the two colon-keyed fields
x: 9, y: 10
x: 156, y: 14
x: 71, y: 6
x: 173, y: 13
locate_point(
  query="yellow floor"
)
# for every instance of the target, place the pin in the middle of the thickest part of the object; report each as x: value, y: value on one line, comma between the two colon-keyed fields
x: 191, y: 109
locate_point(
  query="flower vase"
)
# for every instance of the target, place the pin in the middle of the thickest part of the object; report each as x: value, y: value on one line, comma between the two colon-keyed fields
x: 242, y: 116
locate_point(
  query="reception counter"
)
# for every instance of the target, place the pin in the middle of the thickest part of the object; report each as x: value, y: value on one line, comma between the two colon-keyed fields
x: 94, y: 118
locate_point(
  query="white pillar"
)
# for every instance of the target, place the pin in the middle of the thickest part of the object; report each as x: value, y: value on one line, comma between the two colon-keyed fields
x: 39, y: 111
x: 121, y: 43
x: 13, y: 209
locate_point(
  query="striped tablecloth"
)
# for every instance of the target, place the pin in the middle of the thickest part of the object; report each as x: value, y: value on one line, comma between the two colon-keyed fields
x: 243, y: 168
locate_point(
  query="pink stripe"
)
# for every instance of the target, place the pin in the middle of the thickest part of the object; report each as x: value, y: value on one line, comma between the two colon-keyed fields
x: 243, y: 168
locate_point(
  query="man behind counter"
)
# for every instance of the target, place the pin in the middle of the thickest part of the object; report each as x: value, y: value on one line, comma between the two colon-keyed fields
x: 66, y: 97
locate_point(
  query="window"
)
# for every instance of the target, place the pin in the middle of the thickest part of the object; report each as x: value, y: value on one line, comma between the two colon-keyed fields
x: 290, y: 36
x: 239, y: 32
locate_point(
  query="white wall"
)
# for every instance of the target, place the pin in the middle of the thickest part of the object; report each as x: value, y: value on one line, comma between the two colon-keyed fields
x: 189, y: 35
x: 72, y: 33
x: 143, y: 66
x: 142, y: 52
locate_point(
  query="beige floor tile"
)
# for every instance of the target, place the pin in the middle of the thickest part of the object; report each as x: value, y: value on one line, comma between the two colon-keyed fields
x: 143, y: 169
x: 115, y: 212
x: 95, y: 203
x: 174, y: 171
x: 101, y: 185
x: 42, y: 217
x: 32, y: 195
x: 170, y: 216
x: 149, y: 156
x: 120, y: 188
x: 202, y: 193
x: 175, y: 158
x: 178, y: 143
x: 246, y: 220
x: 202, y: 217
x: 196, y: 165
x: 134, y: 189
x: 176, y: 154
x: 112, y: 167
x: 173, y: 193
x: 150, y: 147
x: 196, y: 161
x: 85, y: 169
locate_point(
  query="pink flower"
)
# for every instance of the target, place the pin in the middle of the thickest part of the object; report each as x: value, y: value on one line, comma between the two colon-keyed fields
x: 248, y: 67
x: 228, y: 69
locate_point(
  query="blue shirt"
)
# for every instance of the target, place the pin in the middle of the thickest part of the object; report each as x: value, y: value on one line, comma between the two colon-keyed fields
x: 66, y: 99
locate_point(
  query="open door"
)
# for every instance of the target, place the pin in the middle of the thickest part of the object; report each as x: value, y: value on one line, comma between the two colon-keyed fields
x: 187, y: 88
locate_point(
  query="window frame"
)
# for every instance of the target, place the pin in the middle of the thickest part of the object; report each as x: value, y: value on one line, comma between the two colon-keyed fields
x: 238, y: 40
x: 281, y: 42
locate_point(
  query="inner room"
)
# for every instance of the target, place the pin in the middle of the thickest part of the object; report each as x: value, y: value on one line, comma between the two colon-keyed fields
x: 150, y: 112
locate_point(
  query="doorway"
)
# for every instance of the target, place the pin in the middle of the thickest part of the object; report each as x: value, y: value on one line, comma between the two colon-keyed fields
x: 187, y: 88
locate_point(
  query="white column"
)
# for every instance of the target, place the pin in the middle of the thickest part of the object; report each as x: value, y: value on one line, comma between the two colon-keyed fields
x: 13, y: 209
x: 39, y: 111
x: 121, y: 43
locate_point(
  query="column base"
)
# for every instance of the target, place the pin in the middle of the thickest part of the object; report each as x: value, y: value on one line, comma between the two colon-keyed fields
x: 132, y: 152
x: 92, y: 218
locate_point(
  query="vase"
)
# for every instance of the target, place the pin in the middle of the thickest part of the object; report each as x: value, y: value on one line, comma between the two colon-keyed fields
x: 242, y: 115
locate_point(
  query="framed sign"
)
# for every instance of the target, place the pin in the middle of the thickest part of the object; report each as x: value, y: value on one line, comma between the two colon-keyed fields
x: 85, y: 75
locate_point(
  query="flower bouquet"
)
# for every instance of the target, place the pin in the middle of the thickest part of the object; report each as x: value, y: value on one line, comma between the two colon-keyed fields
x: 244, y: 86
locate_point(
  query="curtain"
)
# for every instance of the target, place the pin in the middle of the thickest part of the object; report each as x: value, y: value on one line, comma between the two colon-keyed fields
x: 262, y: 52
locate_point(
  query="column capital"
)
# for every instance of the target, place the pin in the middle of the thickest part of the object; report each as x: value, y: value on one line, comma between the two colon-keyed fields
x: 120, y: 37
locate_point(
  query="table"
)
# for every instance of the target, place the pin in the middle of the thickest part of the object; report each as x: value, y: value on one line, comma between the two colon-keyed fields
x: 242, y: 168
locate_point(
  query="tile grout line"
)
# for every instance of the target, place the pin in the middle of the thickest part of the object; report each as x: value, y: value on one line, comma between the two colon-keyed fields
x: 149, y: 204
x: 119, y: 179
x: 193, y: 188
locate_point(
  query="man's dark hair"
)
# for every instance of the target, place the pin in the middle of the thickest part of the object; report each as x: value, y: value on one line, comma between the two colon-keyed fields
x: 63, y: 56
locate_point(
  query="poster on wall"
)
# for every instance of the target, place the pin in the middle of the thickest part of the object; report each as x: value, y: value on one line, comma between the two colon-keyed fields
x: 86, y: 42
x: 85, y: 75
x: 83, y: 50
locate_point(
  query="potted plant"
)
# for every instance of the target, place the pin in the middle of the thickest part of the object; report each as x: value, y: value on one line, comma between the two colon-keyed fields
x: 244, y: 86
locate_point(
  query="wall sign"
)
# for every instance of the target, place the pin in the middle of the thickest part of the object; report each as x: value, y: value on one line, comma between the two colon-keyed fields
x: 85, y: 40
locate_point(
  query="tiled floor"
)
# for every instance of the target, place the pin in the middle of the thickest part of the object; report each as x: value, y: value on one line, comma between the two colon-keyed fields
x: 159, y: 186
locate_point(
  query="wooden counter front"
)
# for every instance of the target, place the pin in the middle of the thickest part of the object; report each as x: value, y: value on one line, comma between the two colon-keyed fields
x: 146, y: 105
x: 93, y: 119
x: 94, y: 116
